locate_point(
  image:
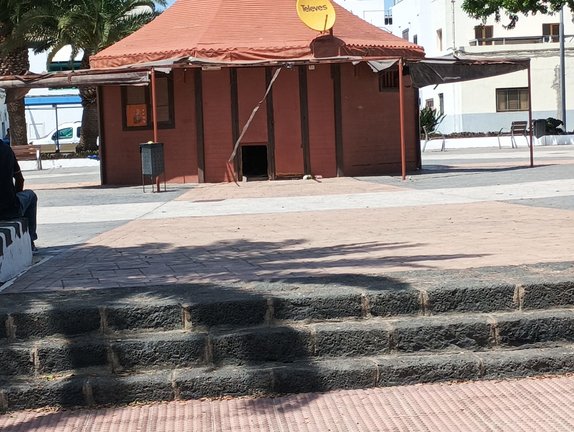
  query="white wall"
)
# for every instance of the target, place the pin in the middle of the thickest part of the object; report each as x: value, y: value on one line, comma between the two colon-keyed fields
x: 471, y: 106
x: 42, y: 120
x: 372, y: 11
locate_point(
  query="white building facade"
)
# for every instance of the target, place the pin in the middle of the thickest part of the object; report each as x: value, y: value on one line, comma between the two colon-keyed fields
x: 376, y: 12
x: 491, y: 104
x: 46, y: 108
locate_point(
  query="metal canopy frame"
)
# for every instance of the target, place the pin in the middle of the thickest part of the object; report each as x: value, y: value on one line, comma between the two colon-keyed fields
x: 424, y: 72
x: 451, y: 69
x: 86, y: 77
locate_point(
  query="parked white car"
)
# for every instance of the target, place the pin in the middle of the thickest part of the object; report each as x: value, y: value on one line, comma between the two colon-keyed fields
x: 67, y: 137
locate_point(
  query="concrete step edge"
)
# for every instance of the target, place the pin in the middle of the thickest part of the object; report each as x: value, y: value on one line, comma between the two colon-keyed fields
x: 99, y: 387
x: 153, y: 311
x: 131, y: 351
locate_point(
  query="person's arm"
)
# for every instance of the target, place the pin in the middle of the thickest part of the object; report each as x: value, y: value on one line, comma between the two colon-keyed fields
x: 18, y: 177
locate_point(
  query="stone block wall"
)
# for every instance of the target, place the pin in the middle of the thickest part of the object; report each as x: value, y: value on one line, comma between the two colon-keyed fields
x: 15, y: 248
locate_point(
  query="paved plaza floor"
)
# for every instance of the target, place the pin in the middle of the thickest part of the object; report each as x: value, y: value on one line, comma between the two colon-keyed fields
x: 466, y: 209
x: 528, y: 405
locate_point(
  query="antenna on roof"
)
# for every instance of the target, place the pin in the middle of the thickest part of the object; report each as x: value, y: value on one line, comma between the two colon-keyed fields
x: 317, y: 14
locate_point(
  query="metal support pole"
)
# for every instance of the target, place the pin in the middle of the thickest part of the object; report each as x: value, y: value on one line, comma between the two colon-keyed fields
x: 153, y: 105
x: 402, y: 121
x: 530, y: 116
x: 453, y: 28
x: 562, y: 70
x: 154, y: 118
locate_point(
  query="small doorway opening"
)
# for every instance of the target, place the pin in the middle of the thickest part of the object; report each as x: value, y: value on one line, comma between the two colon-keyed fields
x: 254, y: 162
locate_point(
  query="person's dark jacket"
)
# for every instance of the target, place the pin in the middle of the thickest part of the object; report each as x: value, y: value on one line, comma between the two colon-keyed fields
x: 11, y: 182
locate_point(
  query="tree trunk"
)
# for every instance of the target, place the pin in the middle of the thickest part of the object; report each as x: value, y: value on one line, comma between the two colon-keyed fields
x: 17, y: 117
x: 90, y: 124
x: 16, y: 63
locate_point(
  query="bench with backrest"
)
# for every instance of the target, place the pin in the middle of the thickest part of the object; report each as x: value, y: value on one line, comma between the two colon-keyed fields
x: 28, y: 153
x: 436, y: 135
x: 517, y: 128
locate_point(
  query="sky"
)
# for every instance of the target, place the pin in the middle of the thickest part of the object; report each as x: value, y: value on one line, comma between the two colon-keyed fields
x: 388, y: 3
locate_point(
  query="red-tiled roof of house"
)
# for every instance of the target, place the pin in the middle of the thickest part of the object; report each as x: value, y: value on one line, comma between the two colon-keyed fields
x: 249, y: 30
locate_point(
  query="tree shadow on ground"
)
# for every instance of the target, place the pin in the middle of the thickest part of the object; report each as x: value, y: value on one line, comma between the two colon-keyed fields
x: 235, y: 260
x: 461, y: 169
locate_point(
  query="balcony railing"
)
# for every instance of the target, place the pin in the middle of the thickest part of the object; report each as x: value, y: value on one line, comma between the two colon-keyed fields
x: 518, y: 40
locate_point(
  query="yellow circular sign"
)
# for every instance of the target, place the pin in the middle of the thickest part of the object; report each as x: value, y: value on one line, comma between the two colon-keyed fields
x: 316, y: 14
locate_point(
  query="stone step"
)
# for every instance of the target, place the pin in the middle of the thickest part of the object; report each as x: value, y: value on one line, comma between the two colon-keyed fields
x: 286, y: 342
x: 97, y: 386
x: 202, y: 306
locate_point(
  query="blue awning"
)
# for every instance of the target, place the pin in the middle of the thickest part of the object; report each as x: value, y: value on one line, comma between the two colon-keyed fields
x: 52, y: 100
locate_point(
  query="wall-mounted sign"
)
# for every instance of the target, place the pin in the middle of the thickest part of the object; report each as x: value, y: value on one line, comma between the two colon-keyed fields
x: 136, y: 115
x: 316, y: 14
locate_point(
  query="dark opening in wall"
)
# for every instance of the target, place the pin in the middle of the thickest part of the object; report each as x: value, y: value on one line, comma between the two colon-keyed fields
x: 254, y: 162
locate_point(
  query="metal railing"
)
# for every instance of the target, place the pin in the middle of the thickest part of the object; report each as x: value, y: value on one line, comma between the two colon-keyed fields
x: 518, y: 40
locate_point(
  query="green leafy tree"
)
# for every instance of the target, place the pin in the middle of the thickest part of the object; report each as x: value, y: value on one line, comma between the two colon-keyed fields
x: 482, y: 9
x: 14, y: 61
x: 429, y: 120
x: 88, y: 26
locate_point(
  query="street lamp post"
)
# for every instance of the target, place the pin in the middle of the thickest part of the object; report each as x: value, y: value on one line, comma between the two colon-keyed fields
x: 562, y: 70
x: 453, y: 28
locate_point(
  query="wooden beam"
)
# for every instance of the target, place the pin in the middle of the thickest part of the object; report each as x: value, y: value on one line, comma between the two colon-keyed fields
x: 336, y: 75
x: 235, y: 119
x: 304, y: 114
x: 270, y: 127
x: 199, y: 128
x: 402, y: 121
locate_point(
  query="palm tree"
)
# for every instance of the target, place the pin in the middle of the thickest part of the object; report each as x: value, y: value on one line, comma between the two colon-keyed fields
x: 14, y: 61
x: 88, y: 26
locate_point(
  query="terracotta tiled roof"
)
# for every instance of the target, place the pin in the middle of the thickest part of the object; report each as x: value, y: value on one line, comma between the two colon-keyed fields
x: 245, y: 30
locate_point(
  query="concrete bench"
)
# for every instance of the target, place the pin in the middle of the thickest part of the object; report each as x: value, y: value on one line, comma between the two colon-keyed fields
x: 27, y: 153
x: 15, y: 248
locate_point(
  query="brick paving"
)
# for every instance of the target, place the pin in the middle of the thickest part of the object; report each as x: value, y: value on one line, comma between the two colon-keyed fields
x: 527, y: 405
x: 279, y: 230
x: 281, y: 234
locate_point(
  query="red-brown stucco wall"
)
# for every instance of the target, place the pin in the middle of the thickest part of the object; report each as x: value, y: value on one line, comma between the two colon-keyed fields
x: 371, y: 132
x: 287, y: 119
x: 250, y: 90
x: 121, y: 157
x: 322, y: 148
x: 217, y: 125
x: 370, y: 125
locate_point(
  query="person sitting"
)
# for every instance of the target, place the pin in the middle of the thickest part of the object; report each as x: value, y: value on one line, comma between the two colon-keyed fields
x: 15, y: 201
